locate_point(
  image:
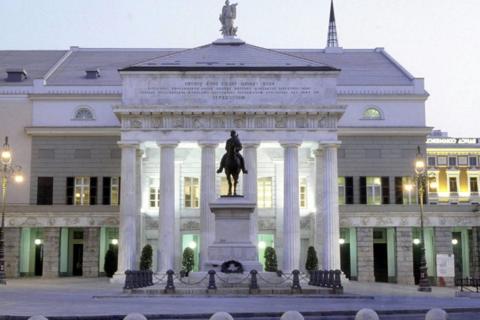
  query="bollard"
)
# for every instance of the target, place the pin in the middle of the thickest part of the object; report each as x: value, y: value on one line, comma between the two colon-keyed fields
x: 135, y: 316
x: 221, y: 315
x: 296, y: 288
x: 211, y: 281
x: 331, y: 276
x: 150, y: 277
x: 436, y: 314
x: 366, y: 314
x: 321, y: 278
x: 253, y: 288
x: 337, y: 281
x: 170, y: 287
x: 38, y: 317
x: 128, y: 280
x: 291, y: 315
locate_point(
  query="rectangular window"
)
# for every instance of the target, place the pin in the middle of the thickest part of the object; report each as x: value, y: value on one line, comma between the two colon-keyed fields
x: 45, y: 191
x: 154, y: 193
x: 348, y: 190
x: 341, y: 191
x: 265, y: 192
x: 115, y: 191
x: 431, y: 161
x: 409, y: 194
x: 452, y: 161
x: 191, y: 192
x: 472, y: 161
x: 303, y: 193
x: 442, y: 161
x: 82, y: 191
x: 473, y: 184
x: 452, y: 184
x: 462, y: 160
x: 374, y: 190
x: 432, y: 184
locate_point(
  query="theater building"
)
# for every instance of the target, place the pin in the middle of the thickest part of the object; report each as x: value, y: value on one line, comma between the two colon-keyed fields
x: 120, y: 147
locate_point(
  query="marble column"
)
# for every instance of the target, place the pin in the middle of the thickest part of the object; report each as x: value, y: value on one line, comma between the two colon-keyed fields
x: 139, y: 214
x: 291, y: 210
x: 127, y: 245
x: 166, y: 238
x: 207, y: 195
x: 250, y: 184
x: 318, y: 226
x: 331, y: 223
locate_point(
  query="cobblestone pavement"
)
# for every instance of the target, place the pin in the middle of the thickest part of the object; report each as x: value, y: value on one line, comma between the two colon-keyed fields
x: 77, y: 296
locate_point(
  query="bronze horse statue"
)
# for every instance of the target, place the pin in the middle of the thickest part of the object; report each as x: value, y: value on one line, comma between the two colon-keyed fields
x: 232, y: 162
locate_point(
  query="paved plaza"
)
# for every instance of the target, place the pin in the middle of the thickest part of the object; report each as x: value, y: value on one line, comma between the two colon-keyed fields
x: 89, y: 297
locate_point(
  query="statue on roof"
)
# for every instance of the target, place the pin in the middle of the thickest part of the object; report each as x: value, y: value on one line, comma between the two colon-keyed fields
x: 228, y: 15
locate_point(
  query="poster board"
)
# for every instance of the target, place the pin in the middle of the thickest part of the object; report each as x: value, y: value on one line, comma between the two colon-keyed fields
x: 445, y: 265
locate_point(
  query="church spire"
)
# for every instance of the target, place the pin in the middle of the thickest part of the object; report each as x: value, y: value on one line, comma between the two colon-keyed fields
x: 332, y: 41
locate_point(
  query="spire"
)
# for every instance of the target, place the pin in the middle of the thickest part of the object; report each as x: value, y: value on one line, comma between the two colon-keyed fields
x: 332, y: 41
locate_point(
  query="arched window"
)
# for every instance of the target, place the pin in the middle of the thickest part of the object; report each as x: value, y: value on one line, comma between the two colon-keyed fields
x: 83, y: 113
x: 372, y: 113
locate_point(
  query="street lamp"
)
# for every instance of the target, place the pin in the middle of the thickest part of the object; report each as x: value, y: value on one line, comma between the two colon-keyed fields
x: 421, y: 178
x: 7, y: 171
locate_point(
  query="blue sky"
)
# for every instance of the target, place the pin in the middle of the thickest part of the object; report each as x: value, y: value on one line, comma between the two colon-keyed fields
x: 435, y: 39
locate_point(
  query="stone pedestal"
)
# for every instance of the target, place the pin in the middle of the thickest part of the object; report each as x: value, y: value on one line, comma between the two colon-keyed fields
x: 232, y: 234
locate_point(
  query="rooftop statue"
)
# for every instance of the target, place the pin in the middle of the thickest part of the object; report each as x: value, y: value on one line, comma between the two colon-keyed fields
x: 228, y: 15
x: 232, y: 162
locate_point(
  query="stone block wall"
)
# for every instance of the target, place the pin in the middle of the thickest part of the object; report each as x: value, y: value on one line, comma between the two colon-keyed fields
x: 443, y: 244
x: 365, y: 254
x: 12, y: 251
x: 404, y: 256
x: 51, y: 252
x: 91, y: 252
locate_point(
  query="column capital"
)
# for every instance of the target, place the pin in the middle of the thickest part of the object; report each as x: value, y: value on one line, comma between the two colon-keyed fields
x: 140, y: 152
x: 319, y: 152
x: 167, y: 144
x: 290, y: 144
x: 208, y: 144
x: 250, y: 144
x: 329, y: 144
x: 129, y: 144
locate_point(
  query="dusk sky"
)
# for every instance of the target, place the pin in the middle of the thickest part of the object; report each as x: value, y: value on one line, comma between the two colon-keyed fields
x: 435, y: 39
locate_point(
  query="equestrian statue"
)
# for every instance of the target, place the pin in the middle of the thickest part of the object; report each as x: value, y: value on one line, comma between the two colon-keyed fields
x: 232, y: 161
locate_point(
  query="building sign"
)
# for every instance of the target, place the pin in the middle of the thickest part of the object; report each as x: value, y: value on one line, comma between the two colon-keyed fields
x: 445, y: 140
x: 445, y: 265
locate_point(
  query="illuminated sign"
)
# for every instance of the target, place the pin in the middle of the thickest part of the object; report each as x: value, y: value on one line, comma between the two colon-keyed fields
x: 444, y: 140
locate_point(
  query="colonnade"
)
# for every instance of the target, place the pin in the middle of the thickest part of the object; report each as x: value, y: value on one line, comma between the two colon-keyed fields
x: 326, y: 227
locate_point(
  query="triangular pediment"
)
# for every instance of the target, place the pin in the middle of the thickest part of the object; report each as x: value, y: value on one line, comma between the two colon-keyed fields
x: 229, y: 56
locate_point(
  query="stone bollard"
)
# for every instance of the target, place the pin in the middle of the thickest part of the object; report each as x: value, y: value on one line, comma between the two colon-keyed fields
x: 291, y: 315
x: 212, y: 287
x: 37, y: 318
x: 436, y: 314
x: 321, y: 278
x: 296, y: 288
x: 253, y: 288
x: 366, y: 314
x: 221, y: 316
x: 170, y: 287
x: 135, y: 316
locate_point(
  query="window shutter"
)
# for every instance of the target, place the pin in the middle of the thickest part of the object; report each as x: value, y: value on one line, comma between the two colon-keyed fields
x: 385, y: 190
x: 70, y: 190
x: 45, y: 191
x: 363, y: 190
x: 93, y: 190
x: 398, y: 190
x: 106, y: 182
x: 348, y: 190
x: 119, y: 189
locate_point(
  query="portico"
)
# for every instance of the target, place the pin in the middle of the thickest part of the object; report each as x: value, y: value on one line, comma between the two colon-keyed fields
x: 278, y: 104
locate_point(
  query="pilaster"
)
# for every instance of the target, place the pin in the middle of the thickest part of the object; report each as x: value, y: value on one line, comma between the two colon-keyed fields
x: 318, y: 219
x: 51, y: 252
x: 443, y: 244
x: 91, y: 252
x: 12, y: 251
x: 404, y: 256
x: 365, y: 254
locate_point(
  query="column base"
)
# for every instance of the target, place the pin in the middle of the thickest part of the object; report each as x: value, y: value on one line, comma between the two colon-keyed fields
x: 118, y: 277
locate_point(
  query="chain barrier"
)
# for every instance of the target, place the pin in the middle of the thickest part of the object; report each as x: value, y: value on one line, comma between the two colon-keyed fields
x: 180, y: 279
x: 226, y: 281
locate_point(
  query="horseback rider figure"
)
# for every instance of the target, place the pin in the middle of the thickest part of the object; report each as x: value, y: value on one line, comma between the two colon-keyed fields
x: 232, y: 162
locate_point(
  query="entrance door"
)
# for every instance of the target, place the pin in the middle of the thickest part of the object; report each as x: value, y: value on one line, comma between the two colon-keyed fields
x: 380, y: 262
x: 417, y: 256
x: 77, y: 267
x: 345, y: 259
x: 39, y: 259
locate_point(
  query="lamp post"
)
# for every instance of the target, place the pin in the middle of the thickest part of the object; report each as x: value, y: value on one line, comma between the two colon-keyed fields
x: 7, y: 171
x: 421, y: 180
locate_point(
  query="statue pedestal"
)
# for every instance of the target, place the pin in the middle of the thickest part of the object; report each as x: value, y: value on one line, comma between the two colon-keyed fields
x: 232, y: 234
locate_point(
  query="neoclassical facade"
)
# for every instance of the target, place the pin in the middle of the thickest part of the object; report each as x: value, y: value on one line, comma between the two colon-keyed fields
x: 120, y: 148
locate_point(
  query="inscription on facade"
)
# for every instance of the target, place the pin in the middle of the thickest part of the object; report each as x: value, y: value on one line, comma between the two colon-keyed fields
x: 228, y: 90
